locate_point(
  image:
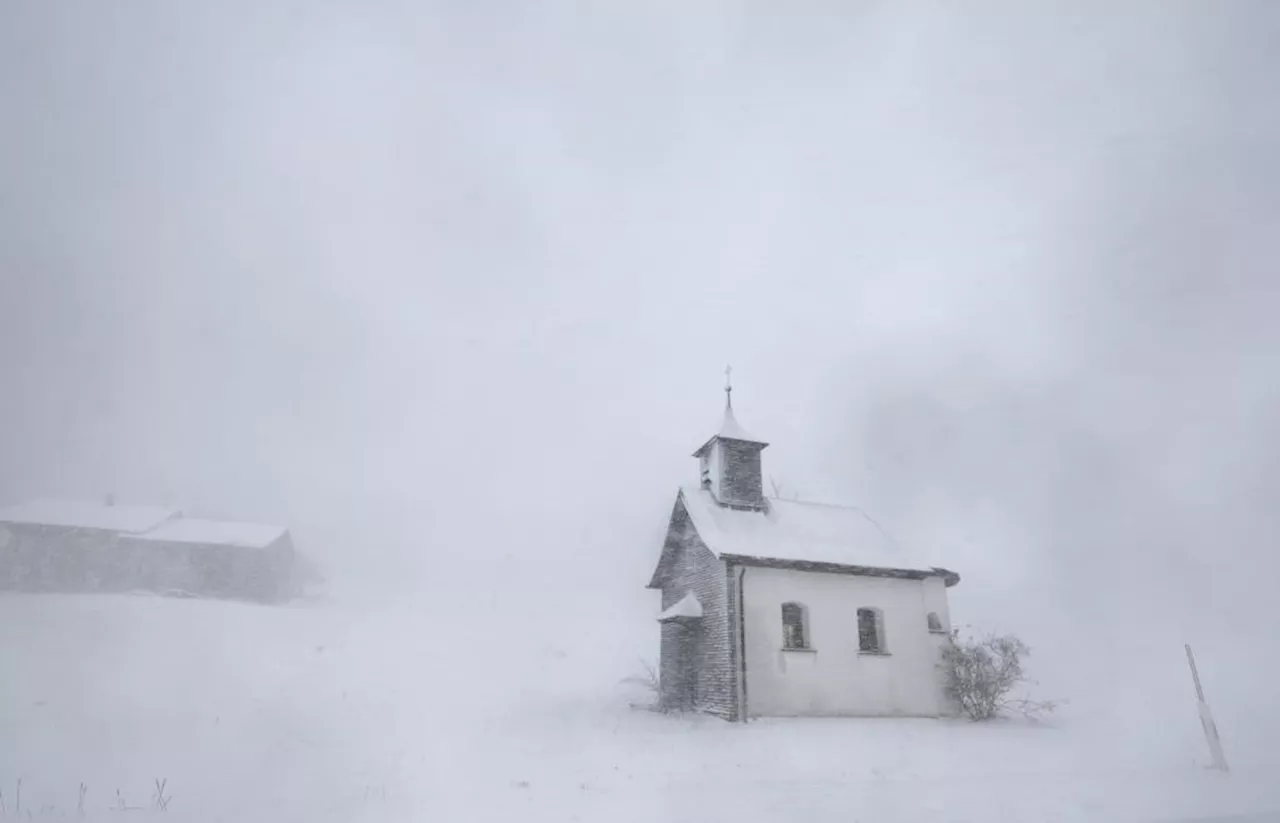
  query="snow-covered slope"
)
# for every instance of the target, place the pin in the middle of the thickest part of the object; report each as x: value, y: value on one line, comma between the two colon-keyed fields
x: 318, y: 712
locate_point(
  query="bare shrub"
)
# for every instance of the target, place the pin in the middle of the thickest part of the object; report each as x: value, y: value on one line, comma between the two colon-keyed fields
x: 646, y: 678
x: 980, y: 674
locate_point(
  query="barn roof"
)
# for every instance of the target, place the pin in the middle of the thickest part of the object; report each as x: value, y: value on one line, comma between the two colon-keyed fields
x: 794, y: 532
x: 141, y: 523
x: 214, y: 533
x: 74, y: 514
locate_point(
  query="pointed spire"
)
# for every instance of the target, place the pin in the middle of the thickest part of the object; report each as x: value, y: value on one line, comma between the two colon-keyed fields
x: 730, y: 428
x: 729, y: 462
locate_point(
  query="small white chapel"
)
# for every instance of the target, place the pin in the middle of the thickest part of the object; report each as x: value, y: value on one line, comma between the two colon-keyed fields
x: 774, y: 607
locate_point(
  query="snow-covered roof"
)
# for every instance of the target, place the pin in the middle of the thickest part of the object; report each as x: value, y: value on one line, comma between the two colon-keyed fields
x: 78, y: 514
x: 214, y: 532
x: 687, y: 606
x: 730, y: 429
x: 794, y: 531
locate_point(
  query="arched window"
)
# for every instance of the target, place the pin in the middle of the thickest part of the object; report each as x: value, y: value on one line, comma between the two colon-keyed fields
x: 871, y: 631
x: 795, y: 626
x: 935, y: 622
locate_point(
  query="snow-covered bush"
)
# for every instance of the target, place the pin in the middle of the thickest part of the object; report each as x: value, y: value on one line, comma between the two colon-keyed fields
x: 981, y: 674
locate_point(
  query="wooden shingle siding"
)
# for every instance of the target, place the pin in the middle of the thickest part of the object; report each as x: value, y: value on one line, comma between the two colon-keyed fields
x: 694, y: 568
x: 741, y: 482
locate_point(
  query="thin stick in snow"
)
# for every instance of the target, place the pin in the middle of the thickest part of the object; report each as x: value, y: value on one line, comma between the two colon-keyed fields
x: 1206, y: 717
x: 161, y: 802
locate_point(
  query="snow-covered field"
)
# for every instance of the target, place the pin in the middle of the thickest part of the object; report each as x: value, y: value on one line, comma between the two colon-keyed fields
x: 320, y: 712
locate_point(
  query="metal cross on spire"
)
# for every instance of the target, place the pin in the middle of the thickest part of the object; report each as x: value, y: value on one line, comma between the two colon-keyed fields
x: 728, y: 387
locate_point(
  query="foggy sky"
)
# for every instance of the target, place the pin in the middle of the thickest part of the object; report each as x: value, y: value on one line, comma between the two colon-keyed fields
x: 448, y: 288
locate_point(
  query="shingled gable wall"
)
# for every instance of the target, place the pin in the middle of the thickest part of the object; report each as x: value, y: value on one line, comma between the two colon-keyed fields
x: 694, y: 568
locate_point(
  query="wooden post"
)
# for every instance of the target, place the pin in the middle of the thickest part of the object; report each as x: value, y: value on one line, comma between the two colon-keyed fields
x: 1206, y: 717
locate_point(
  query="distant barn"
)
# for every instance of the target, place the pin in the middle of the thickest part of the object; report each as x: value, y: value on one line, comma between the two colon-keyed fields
x: 61, y: 546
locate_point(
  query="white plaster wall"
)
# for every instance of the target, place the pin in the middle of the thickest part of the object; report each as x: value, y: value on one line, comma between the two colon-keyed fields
x: 935, y: 600
x: 934, y: 590
x: 834, y: 678
x: 715, y: 463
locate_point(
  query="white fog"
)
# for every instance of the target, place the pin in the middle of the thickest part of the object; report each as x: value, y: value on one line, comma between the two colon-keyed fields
x: 447, y: 290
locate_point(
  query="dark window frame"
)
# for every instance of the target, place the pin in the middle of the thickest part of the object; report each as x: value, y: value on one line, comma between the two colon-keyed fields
x: 871, y: 634
x: 795, y: 627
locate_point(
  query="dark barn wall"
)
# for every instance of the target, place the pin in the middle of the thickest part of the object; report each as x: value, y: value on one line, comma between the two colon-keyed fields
x: 55, y: 558
x: 62, y: 559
